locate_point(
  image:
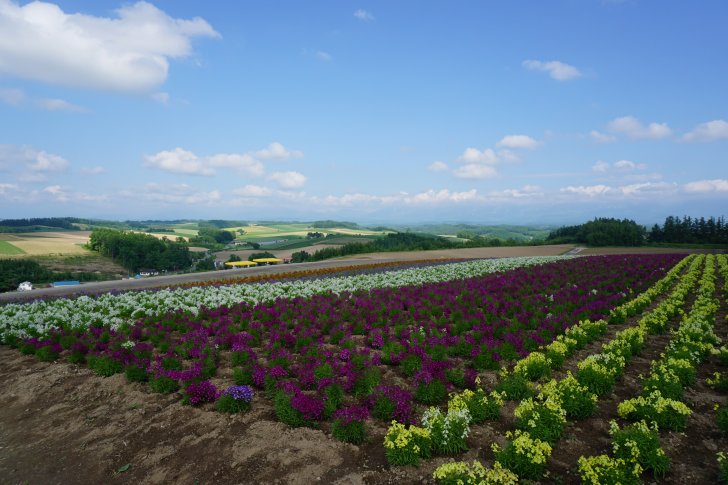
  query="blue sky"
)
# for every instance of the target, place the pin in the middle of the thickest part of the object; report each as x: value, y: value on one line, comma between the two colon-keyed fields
x: 373, y: 111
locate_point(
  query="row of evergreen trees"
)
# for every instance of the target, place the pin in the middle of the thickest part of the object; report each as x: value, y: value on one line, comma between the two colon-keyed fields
x: 626, y: 232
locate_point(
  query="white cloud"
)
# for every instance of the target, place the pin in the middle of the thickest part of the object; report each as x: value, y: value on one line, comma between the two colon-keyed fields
x: 438, y: 166
x: 648, y: 188
x: 32, y: 164
x: 127, y: 53
x: 589, y: 191
x: 12, y: 96
x: 323, y: 56
x: 439, y: 196
x: 633, y: 128
x: 288, y: 180
x: 7, y: 189
x: 65, y: 194
x: 527, y: 191
x: 253, y: 191
x: 709, y: 131
x: 707, y: 186
x: 277, y: 151
x: 599, y: 137
x: 473, y: 155
x: 475, y: 171
x: 517, y: 141
x: 241, y: 162
x: 619, y: 167
x: 362, y: 14
x: 183, y: 161
x: 556, y: 69
x: 59, y: 105
x: 178, y: 161
x: 601, y: 166
x: 47, y: 162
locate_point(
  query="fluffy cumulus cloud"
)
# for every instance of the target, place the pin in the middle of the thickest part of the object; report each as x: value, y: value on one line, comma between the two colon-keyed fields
x: 525, y: 192
x: 620, y: 166
x: 438, y: 166
x: 634, y: 129
x: 253, y: 191
x: 648, y: 189
x: 288, y: 180
x: 710, y: 131
x: 556, y: 69
x: 67, y: 194
x: 276, y: 151
x: 586, y: 190
x: 364, y: 15
x: 31, y: 164
x: 473, y: 155
x: 178, y: 161
x: 129, y: 52
x: 707, y: 186
x: 475, y: 171
x: 517, y: 141
x: 185, y: 162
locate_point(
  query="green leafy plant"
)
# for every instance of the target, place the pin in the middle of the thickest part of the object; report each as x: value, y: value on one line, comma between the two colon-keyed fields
x: 163, y: 385
x: 523, y: 455
x: 666, y: 413
x: 405, y: 446
x: 605, y: 470
x: 461, y: 473
x: 543, y: 420
x: 447, y: 431
x: 639, y: 443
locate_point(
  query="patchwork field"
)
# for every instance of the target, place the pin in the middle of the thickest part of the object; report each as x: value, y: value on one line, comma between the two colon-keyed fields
x: 299, y: 381
x: 48, y: 243
x: 8, y: 249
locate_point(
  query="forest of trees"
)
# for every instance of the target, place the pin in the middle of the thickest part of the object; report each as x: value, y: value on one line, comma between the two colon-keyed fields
x: 136, y: 251
x: 690, y: 231
x: 601, y: 232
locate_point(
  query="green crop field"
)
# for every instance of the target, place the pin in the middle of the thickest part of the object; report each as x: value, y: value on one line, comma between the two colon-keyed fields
x: 7, y: 249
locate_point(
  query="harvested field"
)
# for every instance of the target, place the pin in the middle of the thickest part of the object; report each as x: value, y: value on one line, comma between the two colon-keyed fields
x: 47, y: 243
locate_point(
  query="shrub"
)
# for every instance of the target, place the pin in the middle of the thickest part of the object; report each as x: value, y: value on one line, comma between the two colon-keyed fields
x: 432, y: 392
x: 235, y: 399
x: 200, y: 393
x: 447, y: 432
x: 514, y: 387
x: 135, y: 373
x: 557, y: 352
x: 410, y: 365
x: 242, y: 377
x: 543, y: 420
x: 533, y: 367
x: 480, y: 406
x: 47, y: 353
x: 605, y: 470
x: 456, y: 378
x: 348, y: 424
x: 599, y: 372
x: 392, y: 403
x: 299, y: 409
x: 722, y: 466
x: 577, y: 400
x: 523, y: 455
x: 665, y: 381
x: 718, y: 382
x: 460, y: 473
x: 667, y: 413
x: 105, y: 366
x: 405, y: 446
x: 638, y: 443
x: 366, y: 382
x: 163, y: 385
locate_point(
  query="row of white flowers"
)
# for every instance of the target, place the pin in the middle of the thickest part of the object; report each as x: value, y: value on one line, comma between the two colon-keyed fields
x: 38, y: 317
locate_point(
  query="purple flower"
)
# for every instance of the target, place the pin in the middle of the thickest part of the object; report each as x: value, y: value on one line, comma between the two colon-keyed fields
x: 240, y: 393
x: 351, y: 414
x: 201, y: 392
x: 311, y: 408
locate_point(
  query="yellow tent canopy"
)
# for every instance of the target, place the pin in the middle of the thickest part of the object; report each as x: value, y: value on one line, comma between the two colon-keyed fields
x: 268, y: 260
x: 239, y: 264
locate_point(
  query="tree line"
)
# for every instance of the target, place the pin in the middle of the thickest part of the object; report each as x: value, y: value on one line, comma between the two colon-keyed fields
x: 690, y: 230
x: 136, y: 251
x: 15, y: 271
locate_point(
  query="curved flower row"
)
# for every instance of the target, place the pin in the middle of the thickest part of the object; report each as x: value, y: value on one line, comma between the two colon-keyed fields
x: 636, y: 447
x: 113, y: 310
x: 541, y: 420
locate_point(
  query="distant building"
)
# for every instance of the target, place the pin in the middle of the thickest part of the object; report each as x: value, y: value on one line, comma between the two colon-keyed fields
x: 25, y: 286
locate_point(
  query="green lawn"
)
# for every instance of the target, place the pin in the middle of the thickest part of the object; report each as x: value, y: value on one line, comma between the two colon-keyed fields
x: 7, y: 249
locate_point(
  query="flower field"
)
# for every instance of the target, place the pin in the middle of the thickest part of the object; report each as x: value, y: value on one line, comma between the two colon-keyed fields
x: 566, y: 370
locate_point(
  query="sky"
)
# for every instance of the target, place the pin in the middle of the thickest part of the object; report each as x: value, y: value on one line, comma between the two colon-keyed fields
x: 521, y: 112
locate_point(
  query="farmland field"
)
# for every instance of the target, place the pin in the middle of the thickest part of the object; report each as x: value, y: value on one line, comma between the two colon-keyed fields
x: 8, y: 249
x: 329, y: 358
x: 47, y: 243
